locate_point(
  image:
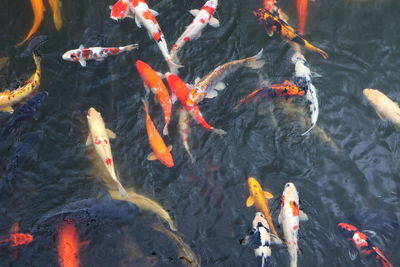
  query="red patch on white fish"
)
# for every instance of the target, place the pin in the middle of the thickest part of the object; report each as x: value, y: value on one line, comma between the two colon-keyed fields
x: 97, y: 141
x: 210, y: 10
x: 148, y: 16
x: 203, y: 21
x: 295, y: 208
x: 108, y: 161
x: 157, y: 36
x: 186, y: 39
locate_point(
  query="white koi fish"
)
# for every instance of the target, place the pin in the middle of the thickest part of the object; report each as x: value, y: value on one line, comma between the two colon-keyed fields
x: 95, y: 53
x: 303, y: 79
x: 383, y: 105
x: 184, y: 131
x: 289, y: 218
x: 99, y: 137
x: 143, y: 15
x: 203, y: 17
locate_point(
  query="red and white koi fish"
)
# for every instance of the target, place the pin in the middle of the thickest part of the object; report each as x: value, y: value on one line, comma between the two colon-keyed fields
x: 179, y: 88
x: 145, y: 16
x: 289, y: 218
x: 14, y: 240
x: 205, y: 86
x: 203, y: 17
x: 152, y: 81
x: 99, y: 137
x: 95, y: 53
x: 184, y: 131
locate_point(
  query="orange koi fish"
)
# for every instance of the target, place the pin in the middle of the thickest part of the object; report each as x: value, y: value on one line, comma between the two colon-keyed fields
x: 14, y: 240
x: 179, y: 88
x: 68, y: 245
x: 302, y: 12
x: 56, y: 7
x: 38, y: 11
x: 275, y: 24
x: 152, y: 81
x: 160, y: 151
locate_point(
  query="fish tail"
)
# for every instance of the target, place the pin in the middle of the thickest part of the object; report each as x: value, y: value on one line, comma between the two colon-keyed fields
x: 173, y: 66
x: 312, y: 48
x: 37, y: 58
x: 122, y: 190
x: 165, y: 130
x: 220, y: 132
x: 146, y: 105
x: 256, y: 62
x: 130, y: 47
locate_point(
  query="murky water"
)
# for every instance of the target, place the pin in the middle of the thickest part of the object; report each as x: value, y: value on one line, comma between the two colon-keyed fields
x: 353, y: 178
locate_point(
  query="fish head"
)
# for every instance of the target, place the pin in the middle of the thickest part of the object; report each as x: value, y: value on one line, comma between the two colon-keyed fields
x: 70, y: 56
x: 167, y: 159
x: 260, y: 221
x: 142, y: 67
x: 93, y: 114
x: 372, y: 95
x: 254, y: 185
x: 289, y: 194
x: 212, y: 3
x: 347, y: 230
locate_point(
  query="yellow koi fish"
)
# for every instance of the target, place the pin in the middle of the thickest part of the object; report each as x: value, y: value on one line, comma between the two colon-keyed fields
x: 56, y: 7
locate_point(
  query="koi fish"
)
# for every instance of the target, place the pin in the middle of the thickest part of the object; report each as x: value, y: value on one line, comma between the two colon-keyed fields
x: 303, y: 79
x: 275, y: 24
x: 384, y: 106
x: 68, y: 244
x: 56, y: 7
x: 203, y: 17
x: 152, y: 81
x: 38, y: 12
x: 261, y: 239
x: 258, y: 197
x: 9, y: 98
x: 184, y: 131
x: 358, y: 239
x: 302, y: 12
x: 180, y: 90
x: 99, y: 137
x: 95, y: 53
x: 143, y: 15
x: 289, y: 218
x: 160, y: 151
x: 15, y: 239
x: 205, y: 86
x: 275, y: 90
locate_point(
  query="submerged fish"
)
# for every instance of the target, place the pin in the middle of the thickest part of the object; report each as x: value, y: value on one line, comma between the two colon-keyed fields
x: 38, y: 12
x: 15, y: 239
x: 275, y: 24
x: 184, y: 131
x: 160, y: 151
x: 302, y: 12
x: 360, y: 241
x: 22, y: 114
x: 289, y: 218
x: 68, y: 244
x: 95, y: 53
x: 153, y: 82
x: 9, y: 98
x: 56, y: 7
x: 259, y: 198
x: 99, y: 137
x: 180, y: 90
x: 205, y: 86
x: 384, y: 106
x: 3, y: 62
x: 203, y: 17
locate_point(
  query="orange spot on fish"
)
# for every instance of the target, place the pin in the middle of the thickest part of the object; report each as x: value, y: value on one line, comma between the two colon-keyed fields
x: 97, y: 141
x: 157, y: 36
x: 68, y: 245
x: 105, y: 141
x: 148, y: 16
x: 295, y: 208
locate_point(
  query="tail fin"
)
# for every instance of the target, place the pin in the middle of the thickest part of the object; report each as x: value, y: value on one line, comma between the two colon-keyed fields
x: 173, y: 67
x: 146, y: 105
x: 122, y: 190
x: 165, y: 130
x: 130, y: 47
x: 37, y: 58
x: 220, y: 132
x: 323, y: 54
x: 256, y: 62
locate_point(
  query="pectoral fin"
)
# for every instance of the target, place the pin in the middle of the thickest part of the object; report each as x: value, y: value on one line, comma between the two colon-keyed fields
x: 194, y: 12
x: 220, y: 86
x: 380, y: 115
x: 137, y: 21
x: 152, y: 156
x: 155, y: 13
x: 249, y: 201
x: 169, y: 148
x: 211, y: 94
x: 214, y: 22
x: 111, y: 134
x: 303, y: 216
x: 82, y: 62
x: 89, y: 140
x: 8, y: 109
x: 267, y: 195
x: 280, y: 218
x: 81, y: 47
x: 197, y: 80
x: 276, y: 240
x: 173, y: 98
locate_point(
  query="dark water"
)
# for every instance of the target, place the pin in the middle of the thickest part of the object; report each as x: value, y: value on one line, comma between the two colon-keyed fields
x: 358, y: 183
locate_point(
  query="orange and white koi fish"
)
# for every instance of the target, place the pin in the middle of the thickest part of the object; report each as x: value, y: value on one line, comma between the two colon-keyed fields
x: 184, y: 131
x: 383, y: 105
x: 152, y: 81
x: 289, y: 218
x: 145, y: 16
x: 68, y: 244
x: 203, y: 17
x: 14, y: 240
x: 179, y: 89
x: 302, y: 12
x: 99, y: 137
x: 9, y: 98
x: 259, y: 198
x: 56, y: 7
x: 205, y: 86
x: 160, y: 151
x: 95, y: 53
x: 38, y: 12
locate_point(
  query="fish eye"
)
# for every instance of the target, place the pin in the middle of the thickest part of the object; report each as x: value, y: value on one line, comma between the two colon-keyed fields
x: 73, y: 56
x: 287, y: 185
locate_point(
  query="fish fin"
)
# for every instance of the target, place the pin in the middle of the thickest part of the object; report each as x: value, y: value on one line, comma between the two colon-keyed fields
x: 170, y: 148
x: 130, y: 47
x: 353, y: 254
x: 139, y: 24
x: 194, y: 12
x: 189, y: 86
x: 303, y: 216
x: 111, y: 134
x: 100, y: 59
x: 370, y: 233
x: 84, y: 243
x: 89, y: 140
x: 280, y: 218
x: 165, y: 130
x: 152, y: 156
x: 155, y: 13
x: 196, y: 80
x: 214, y: 22
x: 245, y: 241
x: 255, y: 62
x: 82, y: 62
x: 14, y: 228
x: 275, y: 240
x: 173, y: 67
x: 211, y: 94
x: 220, y: 86
x: 267, y: 195
x: 8, y: 109
x: 162, y: 76
x: 249, y: 201
x: 220, y: 132
x: 173, y: 98
x: 81, y: 47
x: 380, y: 116
x: 14, y: 254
